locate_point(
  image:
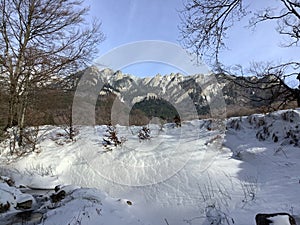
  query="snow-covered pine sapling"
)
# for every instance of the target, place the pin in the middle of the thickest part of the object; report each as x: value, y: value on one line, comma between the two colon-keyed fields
x: 111, y: 138
x: 144, y: 134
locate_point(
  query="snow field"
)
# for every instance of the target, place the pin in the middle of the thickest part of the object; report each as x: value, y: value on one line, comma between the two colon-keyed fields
x: 188, y: 175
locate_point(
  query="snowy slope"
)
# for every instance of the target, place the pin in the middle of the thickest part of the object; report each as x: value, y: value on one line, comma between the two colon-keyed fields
x: 189, y: 175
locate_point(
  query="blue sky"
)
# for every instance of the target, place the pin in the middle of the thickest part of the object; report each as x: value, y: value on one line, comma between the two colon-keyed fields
x: 127, y: 21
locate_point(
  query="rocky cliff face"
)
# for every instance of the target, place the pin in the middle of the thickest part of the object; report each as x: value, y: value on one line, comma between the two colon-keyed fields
x: 190, y: 95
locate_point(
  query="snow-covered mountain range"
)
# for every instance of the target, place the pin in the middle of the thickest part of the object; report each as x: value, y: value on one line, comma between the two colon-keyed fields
x: 199, y: 94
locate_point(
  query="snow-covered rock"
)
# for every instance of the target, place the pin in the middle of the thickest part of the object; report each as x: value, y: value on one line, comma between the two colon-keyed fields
x: 275, y: 219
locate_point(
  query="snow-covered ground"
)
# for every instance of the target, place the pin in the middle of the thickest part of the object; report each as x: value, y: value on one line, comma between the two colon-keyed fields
x: 193, y: 174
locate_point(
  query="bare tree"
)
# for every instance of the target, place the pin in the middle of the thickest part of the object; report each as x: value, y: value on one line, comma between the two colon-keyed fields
x: 41, y: 40
x: 63, y: 114
x: 204, y: 28
x: 270, y: 86
x: 277, y: 75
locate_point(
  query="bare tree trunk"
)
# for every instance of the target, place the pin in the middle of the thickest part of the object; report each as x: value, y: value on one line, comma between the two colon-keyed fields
x: 71, y: 126
x: 298, y: 97
x: 13, y: 99
x: 21, y: 123
x: 40, y: 40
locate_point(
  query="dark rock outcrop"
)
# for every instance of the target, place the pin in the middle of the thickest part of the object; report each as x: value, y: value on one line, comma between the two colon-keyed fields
x: 266, y: 219
x: 24, y: 205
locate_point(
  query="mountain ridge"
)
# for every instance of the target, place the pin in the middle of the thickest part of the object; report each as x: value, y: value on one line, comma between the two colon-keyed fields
x: 189, y: 94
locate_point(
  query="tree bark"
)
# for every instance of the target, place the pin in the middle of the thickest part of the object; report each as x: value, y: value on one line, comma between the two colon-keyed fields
x: 298, y: 97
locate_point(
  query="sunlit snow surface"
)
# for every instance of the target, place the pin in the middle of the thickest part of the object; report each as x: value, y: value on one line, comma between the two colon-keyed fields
x: 187, y: 175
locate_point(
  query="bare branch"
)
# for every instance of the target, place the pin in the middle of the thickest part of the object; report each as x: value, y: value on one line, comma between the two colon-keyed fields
x: 39, y: 40
x: 204, y: 24
x: 203, y: 31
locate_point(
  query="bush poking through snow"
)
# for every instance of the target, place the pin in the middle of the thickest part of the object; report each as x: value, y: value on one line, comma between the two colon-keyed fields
x: 234, y: 124
x: 40, y: 169
x: 10, y: 182
x: 111, y: 139
x: 144, y: 134
x: 216, y: 216
x: 57, y: 197
x: 177, y: 121
x: 264, y: 133
x: 275, y: 138
x: 250, y: 188
x: 26, y: 143
x: 4, y: 207
x: 280, y: 127
x: 280, y: 149
x: 215, y: 197
x: 293, y: 135
x: 207, y: 124
x: 65, y: 136
x: 4, y: 135
x: 256, y: 121
x: 290, y: 116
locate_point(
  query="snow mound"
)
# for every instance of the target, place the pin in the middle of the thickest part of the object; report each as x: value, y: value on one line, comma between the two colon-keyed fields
x: 93, y: 207
x: 76, y: 206
x: 280, y: 129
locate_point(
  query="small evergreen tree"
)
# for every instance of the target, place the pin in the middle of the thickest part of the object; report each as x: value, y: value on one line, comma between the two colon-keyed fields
x: 144, y: 134
x: 111, y: 138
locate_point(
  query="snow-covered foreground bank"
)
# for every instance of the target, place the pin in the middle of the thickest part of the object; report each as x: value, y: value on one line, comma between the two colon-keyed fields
x: 189, y: 175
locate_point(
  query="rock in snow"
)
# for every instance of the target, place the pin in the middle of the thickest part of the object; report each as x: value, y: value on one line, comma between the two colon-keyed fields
x: 275, y: 219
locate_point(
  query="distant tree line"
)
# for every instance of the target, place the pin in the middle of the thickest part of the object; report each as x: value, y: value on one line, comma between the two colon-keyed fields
x: 155, y: 107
